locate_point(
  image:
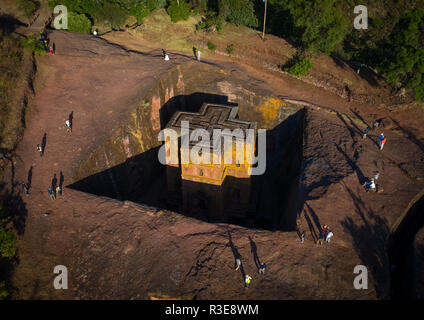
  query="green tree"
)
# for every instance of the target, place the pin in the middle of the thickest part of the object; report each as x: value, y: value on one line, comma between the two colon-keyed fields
x: 241, y: 12
x: 178, y: 10
x: 404, y: 60
x: 140, y: 9
x: 87, y: 7
x: 321, y: 25
x: 78, y: 23
x: 112, y: 14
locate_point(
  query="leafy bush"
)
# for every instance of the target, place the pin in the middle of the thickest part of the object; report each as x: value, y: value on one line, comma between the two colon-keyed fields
x: 241, y: 12
x: 300, y: 67
x: 87, y: 7
x: 112, y: 14
x: 195, y: 11
x: 33, y: 43
x: 211, y: 46
x: 78, y: 23
x: 140, y: 9
x: 211, y: 23
x: 28, y: 7
x: 178, y: 10
x: 230, y: 49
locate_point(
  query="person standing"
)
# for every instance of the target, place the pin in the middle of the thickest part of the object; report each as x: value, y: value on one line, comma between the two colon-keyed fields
x: 51, y: 193
x: 247, y: 280
x: 25, y: 189
x: 262, y: 268
x: 329, y: 235
x: 366, y: 133
x: 59, y: 190
x: 382, y: 143
x: 198, y: 54
x: 68, y: 126
x: 40, y: 150
x: 238, y: 264
x: 302, y: 237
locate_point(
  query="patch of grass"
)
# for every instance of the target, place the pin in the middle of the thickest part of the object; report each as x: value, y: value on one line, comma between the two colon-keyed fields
x: 211, y: 46
x: 230, y: 49
x: 300, y: 66
x: 33, y: 43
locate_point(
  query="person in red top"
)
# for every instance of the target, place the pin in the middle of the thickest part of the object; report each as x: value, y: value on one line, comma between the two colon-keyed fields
x: 383, y: 141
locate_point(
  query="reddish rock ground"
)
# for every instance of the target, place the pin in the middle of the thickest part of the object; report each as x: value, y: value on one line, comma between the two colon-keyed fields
x: 120, y: 250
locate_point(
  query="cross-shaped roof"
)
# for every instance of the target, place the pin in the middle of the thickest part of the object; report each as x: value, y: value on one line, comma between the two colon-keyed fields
x: 210, y: 117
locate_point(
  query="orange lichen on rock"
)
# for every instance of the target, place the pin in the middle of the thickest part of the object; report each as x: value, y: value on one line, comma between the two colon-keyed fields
x: 155, y: 117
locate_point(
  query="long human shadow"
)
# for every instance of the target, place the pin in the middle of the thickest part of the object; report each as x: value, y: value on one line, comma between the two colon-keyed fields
x: 351, y: 130
x: 61, y: 180
x: 71, y: 119
x: 409, y: 134
x: 254, y: 250
x: 44, y: 143
x: 369, y: 240
x: 314, y: 217
x: 236, y: 255
x: 29, y: 178
x: 353, y: 165
x: 311, y: 227
x: 360, y: 117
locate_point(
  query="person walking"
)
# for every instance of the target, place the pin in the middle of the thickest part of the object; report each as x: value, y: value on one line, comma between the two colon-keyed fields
x: 40, y: 150
x: 59, y: 190
x: 366, y: 133
x: 262, y: 268
x: 369, y: 185
x: 25, y: 189
x: 247, y: 281
x: 238, y: 264
x: 302, y: 237
x: 382, y: 143
x: 329, y: 235
x: 51, y: 193
x: 68, y: 126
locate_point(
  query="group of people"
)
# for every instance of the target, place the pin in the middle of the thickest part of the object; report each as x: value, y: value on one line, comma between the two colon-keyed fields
x: 381, y: 139
x: 247, y: 278
x: 196, y: 53
x: 45, y: 42
x: 325, y: 235
x: 53, y: 190
x: 52, y: 194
